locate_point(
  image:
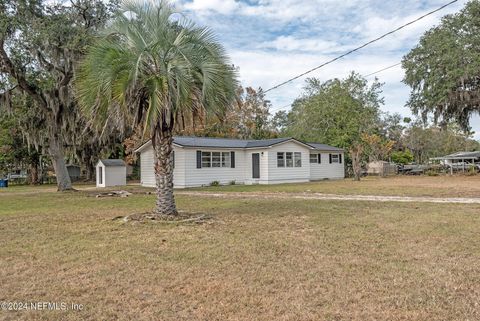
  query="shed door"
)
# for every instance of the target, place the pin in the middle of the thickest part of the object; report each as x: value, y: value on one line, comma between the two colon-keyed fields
x: 100, y: 175
x: 255, y: 165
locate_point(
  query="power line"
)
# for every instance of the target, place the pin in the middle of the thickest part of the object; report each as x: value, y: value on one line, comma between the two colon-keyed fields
x: 378, y: 71
x: 360, y: 47
x: 370, y: 74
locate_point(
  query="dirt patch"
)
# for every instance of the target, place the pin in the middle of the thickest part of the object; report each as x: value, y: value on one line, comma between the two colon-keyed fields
x: 322, y: 196
x: 182, y: 217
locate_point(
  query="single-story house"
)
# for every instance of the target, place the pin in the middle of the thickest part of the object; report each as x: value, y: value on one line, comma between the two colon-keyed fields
x: 111, y: 172
x: 199, y: 161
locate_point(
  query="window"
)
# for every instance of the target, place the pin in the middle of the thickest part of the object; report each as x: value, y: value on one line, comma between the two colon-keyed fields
x: 289, y: 159
x: 216, y: 159
x: 335, y: 158
x: 226, y: 159
x: 313, y: 158
x: 298, y: 159
x: 206, y: 159
x: 280, y: 160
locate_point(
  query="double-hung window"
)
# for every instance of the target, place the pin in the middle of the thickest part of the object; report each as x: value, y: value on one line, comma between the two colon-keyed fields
x: 315, y: 158
x: 335, y: 158
x: 289, y: 159
x: 216, y: 159
x: 280, y: 159
x: 297, y: 159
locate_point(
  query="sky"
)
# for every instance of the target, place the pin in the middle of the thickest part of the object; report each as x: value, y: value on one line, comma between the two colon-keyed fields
x: 273, y: 40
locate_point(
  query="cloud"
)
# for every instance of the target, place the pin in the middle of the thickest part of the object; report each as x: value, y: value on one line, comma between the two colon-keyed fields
x: 212, y: 6
x: 274, y: 40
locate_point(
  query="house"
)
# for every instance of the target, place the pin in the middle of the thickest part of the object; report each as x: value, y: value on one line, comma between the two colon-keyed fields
x: 111, y: 172
x: 199, y: 161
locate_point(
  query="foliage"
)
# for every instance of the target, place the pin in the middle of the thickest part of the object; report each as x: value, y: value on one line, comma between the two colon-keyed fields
x: 443, y: 70
x: 40, y: 45
x: 432, y: 141
x: 402, y: 157
x: 336, y: 112
x: 153, y: 70
x: 215, y: 183
x: 376, y: 147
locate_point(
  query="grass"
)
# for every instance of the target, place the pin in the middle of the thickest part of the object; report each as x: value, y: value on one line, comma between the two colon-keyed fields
x: 257, y: 260
x: 437, y: 186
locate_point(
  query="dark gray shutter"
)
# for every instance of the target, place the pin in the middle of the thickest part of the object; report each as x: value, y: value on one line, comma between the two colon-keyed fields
x: 330, y: 158
x: 340, y: 158
x: 173, y: 158
x: 319, y: 156
x: 199, y: 159
x: 232, y: 159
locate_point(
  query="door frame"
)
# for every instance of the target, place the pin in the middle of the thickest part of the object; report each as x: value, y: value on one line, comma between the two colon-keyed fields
x: 255, y: 165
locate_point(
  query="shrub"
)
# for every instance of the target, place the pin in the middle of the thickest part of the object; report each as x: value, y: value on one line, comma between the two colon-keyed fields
x: 400, y: 157
x: 231, y: 183
x: 431, y: 172
x: 215, y: 183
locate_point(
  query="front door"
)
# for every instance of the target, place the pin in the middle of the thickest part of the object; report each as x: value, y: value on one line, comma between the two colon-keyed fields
x: 255, y: 165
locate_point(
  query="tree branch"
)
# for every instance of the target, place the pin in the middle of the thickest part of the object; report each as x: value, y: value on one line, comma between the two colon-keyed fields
x: 7, y: 66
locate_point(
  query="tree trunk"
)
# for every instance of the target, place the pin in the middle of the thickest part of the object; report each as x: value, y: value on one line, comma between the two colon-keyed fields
x: 356, y: 154
x: 33, y: 169
x: 58, y: 159
x: 89, y: 171
x: 165, y: 204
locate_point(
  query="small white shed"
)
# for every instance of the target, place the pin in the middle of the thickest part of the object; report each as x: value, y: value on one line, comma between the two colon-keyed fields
x: 111, y: 172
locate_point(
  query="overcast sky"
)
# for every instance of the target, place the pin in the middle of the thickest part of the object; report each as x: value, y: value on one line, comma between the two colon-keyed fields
x: 273, y: 40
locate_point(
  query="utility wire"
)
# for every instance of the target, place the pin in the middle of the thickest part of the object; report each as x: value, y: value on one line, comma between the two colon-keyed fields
x: 378, y: 71
x: 360, y: 47
x: 370, y: 74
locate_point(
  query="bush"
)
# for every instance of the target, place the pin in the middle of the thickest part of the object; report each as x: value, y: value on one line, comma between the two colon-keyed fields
x: 431, y: 172
x: 400, y: 157
x: 472, y: 171
x: 231, y: 183
x: 215, y: 183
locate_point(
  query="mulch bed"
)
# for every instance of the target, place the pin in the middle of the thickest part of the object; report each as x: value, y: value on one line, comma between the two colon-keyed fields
x: 182, y: 217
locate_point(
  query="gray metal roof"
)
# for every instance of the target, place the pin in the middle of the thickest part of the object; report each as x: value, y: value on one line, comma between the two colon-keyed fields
x: 112, y: 162
x: 213, y: 142
x: 461, y: 155
x: 325, y: 147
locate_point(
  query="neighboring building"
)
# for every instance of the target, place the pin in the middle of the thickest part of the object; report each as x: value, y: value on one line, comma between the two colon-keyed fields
x: 199, y: 161
x: 73, y: 172
x: 460, y: 160
x: 381, y: 168
x: 111, y: 172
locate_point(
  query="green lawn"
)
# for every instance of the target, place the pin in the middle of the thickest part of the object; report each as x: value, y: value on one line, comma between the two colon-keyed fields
x: 255, y: 260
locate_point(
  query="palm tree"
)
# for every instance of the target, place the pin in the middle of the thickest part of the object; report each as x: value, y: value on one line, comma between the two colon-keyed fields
x: 148, y: 69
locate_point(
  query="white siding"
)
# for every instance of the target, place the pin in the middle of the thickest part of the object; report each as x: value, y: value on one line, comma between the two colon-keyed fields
x: 147, y: 173
x: 263, y: 152
x: 325, y: 169
x: 147, y: 169
x: 288, y: 174
x: 186, y: 173
x: 204, y: 176
x: 112, y: 175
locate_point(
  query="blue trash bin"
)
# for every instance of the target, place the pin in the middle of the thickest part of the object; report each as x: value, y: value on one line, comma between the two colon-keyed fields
x: 2, y: 183
x: 5, y: 182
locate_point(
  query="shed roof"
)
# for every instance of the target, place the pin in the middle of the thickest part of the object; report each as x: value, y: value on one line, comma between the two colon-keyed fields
x: 460, y: 155
x: 212, y: 142
x: 112, y: 162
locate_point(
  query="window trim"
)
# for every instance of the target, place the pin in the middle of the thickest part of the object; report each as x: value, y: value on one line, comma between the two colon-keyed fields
x: 297, y: 157
x: 207, y: 159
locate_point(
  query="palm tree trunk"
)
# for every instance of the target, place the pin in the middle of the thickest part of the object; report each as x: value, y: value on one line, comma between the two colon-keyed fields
x: 163, y: 145
x: 58, y: 159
